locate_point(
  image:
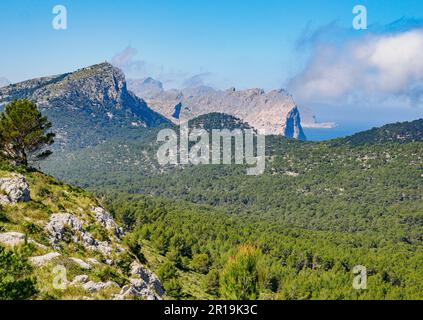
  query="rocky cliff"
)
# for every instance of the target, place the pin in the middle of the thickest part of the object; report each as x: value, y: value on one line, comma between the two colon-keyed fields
x: 73, y: 243
x: 274, y: 112
x: 86, y: 106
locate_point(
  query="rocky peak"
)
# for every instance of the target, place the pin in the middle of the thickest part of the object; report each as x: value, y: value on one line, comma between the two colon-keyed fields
x: 147, y: 87
x: 274, y: 112
x: 293, y: 125
x: 85, y: 106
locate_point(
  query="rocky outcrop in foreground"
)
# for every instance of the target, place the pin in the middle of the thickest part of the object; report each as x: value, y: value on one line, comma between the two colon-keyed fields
x: 83, y: 238
x: 14, y: 189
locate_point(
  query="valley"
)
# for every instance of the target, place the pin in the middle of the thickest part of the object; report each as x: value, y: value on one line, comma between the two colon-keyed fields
x: 297, y: 231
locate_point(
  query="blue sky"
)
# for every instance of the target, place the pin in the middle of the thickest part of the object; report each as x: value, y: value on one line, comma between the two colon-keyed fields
x: 248, y: 42
x: 241, y: 43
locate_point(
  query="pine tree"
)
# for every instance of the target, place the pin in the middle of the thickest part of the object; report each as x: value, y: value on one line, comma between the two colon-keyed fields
x: 239, y: 278
x: 24, y: 133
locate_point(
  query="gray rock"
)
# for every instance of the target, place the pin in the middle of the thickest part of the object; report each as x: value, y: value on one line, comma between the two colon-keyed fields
x: 62, y: 224
x: 151, y: 280
x: 92, y: 286
x: 16, y: 238
x: 14, y: 189
x: 90, y: 96
x: 40, y: 261
x: 128, y: 292
x: 81, y: 263
x: 12, y: 238
x: 106, y: 220
x: 137, y: 288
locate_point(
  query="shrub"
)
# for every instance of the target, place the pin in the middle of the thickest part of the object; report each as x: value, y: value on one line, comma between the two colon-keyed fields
x: 167, y: 271
x: 16, y: 280
x: 173, y: 288
x: 3, y: 216
x: 110, y: 274
x: 211, y: 283
x: 32, y: 228
x: 239, y: 278
x: 201, y: 263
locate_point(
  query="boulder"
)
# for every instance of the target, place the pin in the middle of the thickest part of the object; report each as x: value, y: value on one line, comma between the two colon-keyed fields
x: 66, y: 224
x: 81, y: 263
x: 40, y: 261
x: 92, y: 286
x: 137, y: 288
x: 148, y: 277
x: 60, y: 223
x: 16, y: 238
x: 12, y: 238
x: 14, y: 188
x: 106, y: 220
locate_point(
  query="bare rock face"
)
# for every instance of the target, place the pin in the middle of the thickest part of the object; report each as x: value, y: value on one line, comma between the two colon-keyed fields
x: 148, y: 277
x: 143, y: 284
x: 92, y: 286
x: 293, y: 125
x: 14, y: 189
x: 269, y: 113
x: 68, y: 227
x: 13, y: 239
x: 40, y: 261
x: 106, y: 220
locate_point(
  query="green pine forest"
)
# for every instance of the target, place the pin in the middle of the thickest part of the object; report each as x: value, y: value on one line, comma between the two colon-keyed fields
x: 295, y: 232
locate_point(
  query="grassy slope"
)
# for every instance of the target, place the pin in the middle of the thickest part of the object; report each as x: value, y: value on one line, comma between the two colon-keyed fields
x: 47, y: 197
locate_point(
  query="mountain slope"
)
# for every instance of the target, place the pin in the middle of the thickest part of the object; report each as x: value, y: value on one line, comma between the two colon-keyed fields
x: 402, y: 132
x: 274, y: 112
x: 63, y: 233
x: 319, y: 209
x: 354, y: 176
x: 87, y: 106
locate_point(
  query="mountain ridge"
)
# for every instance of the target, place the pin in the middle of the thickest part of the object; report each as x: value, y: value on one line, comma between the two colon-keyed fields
x: 92, y: 100
x: 273, y: 112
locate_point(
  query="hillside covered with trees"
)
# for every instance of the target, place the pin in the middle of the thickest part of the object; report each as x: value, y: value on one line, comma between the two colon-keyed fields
x: 319, y: 210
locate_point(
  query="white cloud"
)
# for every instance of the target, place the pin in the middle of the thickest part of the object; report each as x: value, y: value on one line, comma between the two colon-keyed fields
x: 373, y: 68
x: 126, y: 61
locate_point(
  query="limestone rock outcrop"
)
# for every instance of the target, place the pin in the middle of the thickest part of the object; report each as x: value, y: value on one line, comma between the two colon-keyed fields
x: 13, y: 189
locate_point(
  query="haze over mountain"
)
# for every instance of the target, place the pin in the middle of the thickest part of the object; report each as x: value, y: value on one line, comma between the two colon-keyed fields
x: 4, y: 82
